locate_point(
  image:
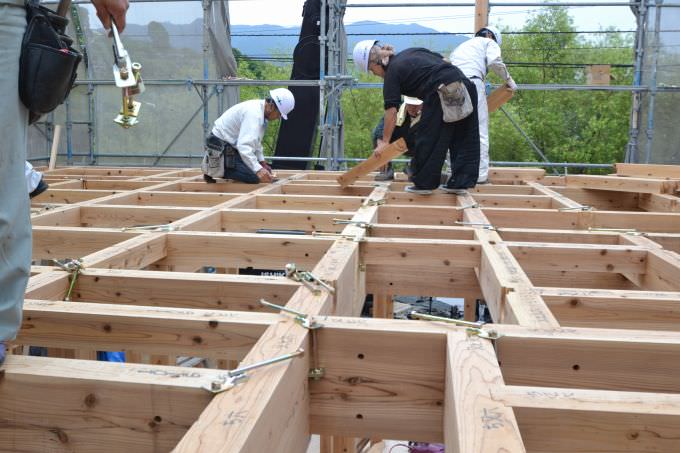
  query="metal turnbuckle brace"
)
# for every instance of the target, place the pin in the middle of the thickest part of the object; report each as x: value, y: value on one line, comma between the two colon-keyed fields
x: 359, y: 223
x: 74, y: 268
x: 300, y: 318
x: 484, y: 226
x: 458, y: 322
x: 233, y: 377
x: 163, y: 227
x: 128, y: 77
x: 577, y: 208
x: 308, y: 279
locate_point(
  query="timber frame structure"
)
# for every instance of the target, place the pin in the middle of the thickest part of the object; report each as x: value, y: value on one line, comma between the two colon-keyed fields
x: 581, y: 276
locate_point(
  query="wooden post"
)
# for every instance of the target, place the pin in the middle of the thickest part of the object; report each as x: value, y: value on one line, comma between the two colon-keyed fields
x: 481, y: 14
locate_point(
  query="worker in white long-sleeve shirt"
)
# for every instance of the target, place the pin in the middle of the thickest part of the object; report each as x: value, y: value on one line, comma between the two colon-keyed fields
x: 475, y: 57
x: 234, y: 147
x: 34, y: 180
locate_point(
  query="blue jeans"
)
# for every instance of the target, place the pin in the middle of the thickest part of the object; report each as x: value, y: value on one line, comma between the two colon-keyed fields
x: 240, y: 172
x: 15, y: 222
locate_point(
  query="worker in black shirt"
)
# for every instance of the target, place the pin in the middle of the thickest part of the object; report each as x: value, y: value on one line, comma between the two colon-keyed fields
x: 406, y: 127
x: 447, y: 95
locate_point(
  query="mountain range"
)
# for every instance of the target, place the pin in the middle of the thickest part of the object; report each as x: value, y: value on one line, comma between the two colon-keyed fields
x: 400, y: 35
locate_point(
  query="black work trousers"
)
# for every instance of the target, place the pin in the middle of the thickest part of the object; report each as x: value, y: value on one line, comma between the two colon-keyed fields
x: 435, y: 137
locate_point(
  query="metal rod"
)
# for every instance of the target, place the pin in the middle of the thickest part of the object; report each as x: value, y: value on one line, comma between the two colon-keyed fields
x: 284, y: 309
x: 458, y: 322
x: 652, y: 84
x: 244, y: 369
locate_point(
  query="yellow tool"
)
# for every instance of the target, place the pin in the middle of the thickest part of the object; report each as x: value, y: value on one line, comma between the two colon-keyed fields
x: 128, y: 77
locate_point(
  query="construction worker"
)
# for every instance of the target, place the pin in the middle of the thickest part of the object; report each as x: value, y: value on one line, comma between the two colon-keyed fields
x: 15, y: 226
x: 449, y: 118
x: 408, y: 121
x: 234, y: 147
x: 34, y: 181
x: 475, y: 57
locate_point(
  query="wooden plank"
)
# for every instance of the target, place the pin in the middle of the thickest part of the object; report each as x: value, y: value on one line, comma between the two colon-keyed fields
x: 55, y: 147
x: 420, y: 252
x: 374, y: 162
x: 655, y: 202
x: 308, y: 202
x: 474, y: 422
x: 165, y: 331
x: 616, y: 183
x: 75, y: 405
x: 647, y: 170
x: 499, y: 96
x: 68, y: 242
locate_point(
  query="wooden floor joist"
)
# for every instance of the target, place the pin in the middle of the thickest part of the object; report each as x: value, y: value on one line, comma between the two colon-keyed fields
x: 580, y: 275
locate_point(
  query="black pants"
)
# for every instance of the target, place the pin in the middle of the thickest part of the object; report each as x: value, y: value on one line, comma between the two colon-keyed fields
x: 435, y: 137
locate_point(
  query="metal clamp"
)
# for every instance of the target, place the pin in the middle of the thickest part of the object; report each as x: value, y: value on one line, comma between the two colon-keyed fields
x: 484, y: 226
x: 359, y: 223
x: 233, y: 377
x: 458, y: 322
x: 74, y: 268
x: 301, y: 318
x: 308, y: 279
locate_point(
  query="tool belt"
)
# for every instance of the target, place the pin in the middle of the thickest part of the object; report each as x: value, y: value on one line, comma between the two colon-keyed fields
x: 455, y: 100
x: 48, y: 64
x: 219, y: 157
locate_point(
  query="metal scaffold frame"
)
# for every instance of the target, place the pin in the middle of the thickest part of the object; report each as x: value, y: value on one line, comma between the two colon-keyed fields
x: 334, y: 79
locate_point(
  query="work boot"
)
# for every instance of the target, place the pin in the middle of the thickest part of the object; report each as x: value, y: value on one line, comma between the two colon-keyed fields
x: 414, y: 189
x: 42, y: 186
x: 209, y: 179
x: 386, y: 175
x: 451, y: 190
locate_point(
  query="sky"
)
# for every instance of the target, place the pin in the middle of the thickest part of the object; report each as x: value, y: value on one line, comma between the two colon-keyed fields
x: 449, y: 19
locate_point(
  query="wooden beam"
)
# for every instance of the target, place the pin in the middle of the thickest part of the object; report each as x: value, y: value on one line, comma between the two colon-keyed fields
x: 615, y: 183
x: 648, y: 171
x: 474, y: 422
x: 374, y: 162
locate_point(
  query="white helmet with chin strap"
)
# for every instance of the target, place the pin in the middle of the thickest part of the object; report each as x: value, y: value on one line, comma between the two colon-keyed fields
x: 496, y: 33
x: 284, y: 100
x: 362, y: 52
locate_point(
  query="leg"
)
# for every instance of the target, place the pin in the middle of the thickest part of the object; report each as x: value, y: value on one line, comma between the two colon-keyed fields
x: 431, y: 144
x: 483, y: 116
x: 241, y: 172
x: 464, y: 148
x: 15, y: 225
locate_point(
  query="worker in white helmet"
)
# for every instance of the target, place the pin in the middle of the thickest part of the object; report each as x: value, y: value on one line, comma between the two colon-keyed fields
x: 234, y: 147
x: 449, y: 118
x: 475, y: 57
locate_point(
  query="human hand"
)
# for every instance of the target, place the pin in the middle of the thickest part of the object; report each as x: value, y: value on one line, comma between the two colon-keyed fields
x: 266, y: 165
x: 111, y: 8
x: 264, y: 175
x: 511, y: 84
x: 380, y: 148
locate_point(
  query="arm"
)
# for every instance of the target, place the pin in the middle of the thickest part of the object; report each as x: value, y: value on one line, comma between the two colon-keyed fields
x: 390, y: 122
x: 108, y: 8
x: 495, y: 63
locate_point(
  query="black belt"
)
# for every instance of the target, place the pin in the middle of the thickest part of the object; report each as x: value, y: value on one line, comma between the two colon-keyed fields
x: 475, y: 77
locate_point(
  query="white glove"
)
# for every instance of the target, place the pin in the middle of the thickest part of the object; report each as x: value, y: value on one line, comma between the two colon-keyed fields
x: 511, y: 84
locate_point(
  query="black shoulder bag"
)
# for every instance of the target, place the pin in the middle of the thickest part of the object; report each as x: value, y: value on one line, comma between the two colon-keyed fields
x: 48, y: 64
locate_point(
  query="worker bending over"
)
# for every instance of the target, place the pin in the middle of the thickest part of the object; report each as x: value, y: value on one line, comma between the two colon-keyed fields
x: 234, y: 147
x: 449, y: 119
x: 35, y: 184
x: 475, y: 57
x: 408, y: 121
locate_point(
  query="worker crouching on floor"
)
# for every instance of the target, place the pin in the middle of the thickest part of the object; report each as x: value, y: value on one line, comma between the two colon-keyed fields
x: 449, y: 119
x: 234, y: 148
x: 406, y: 127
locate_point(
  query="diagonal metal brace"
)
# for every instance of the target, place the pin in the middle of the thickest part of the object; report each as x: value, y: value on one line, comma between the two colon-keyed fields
x: 468, y: 206
x: 484, y: 226
x: 233, y: 377
x: 359, y: 223
x: 74, y: 268
x: 481, y: 333
x: 159, y: 228
x: 301, y: 318
x: 584, y: 207
x: 458, y: 322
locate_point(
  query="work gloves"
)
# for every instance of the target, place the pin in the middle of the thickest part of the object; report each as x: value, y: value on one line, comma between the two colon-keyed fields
x: 511, y: 84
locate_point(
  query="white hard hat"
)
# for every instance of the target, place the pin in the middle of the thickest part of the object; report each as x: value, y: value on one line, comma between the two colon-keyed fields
x: 361, y: 53
x: 496, y: 33
x: 412, y: 101
x: 284, y: 101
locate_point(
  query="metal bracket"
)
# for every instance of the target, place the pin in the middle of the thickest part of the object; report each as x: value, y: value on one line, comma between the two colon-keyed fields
x: 481, y: 333
x: 74, y: 268
x: 155, y: 228
x: 316, y: 373
x: 468, y: 206
x: 233, y: 377
x: 301, y: 318
x: 380, y: 202
x: 308, y: 279
x: 484, y: 226
x: 458, y: 322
